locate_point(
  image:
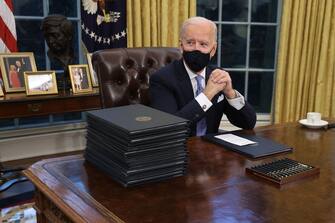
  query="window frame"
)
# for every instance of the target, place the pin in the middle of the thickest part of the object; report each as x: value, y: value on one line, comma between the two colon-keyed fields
x: 260, y: 115
x: 76, y: 19
x: 50, y: 120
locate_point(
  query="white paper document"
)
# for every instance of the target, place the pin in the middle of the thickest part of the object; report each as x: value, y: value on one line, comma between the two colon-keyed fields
x: 234, y: 139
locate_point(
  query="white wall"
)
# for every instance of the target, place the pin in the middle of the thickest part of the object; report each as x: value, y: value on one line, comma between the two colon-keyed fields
x: 27, y: 143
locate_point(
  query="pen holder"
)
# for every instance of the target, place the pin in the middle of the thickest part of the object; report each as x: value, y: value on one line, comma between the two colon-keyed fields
x: 283, y: 171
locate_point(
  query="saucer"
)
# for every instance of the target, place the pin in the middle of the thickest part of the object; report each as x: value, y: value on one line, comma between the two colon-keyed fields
x: 318, y: 125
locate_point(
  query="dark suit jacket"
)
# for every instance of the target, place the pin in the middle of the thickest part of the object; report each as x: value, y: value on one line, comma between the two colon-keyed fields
x: 171, y: 91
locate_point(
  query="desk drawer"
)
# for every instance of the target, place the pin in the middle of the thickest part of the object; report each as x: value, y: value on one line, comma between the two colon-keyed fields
x: 46, y: 107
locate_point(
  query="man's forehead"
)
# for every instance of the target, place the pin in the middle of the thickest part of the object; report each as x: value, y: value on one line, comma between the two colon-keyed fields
x: 197, y: 38
x: 196, y: 29
x: 197, y: 35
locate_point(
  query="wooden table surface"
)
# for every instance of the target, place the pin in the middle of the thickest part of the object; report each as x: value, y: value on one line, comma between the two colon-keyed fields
x: 215, y: 189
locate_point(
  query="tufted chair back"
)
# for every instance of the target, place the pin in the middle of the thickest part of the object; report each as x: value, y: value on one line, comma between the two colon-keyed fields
x: 124, y: 73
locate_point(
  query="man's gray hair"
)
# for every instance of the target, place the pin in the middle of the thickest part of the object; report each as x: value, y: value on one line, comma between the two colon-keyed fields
x: 196, y: 20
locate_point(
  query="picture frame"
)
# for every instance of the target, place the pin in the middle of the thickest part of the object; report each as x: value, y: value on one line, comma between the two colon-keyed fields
x: 94, y: 77
x: 80, y: 78
x: 40, y: 82
x: 13, y: 66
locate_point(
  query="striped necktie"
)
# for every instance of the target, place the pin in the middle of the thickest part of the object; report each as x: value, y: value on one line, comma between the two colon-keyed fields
x: 201, y: 124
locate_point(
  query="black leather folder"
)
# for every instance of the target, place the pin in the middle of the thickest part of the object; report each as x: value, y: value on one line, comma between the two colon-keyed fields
x: 137, y: 120
x: 138, y: 176
x: 168, y: 155
x: 131, y: 143
x: 137, y: 144
x: 264, y: 147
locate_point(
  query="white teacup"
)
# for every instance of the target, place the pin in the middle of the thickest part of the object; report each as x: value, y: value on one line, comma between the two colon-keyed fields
x: 313, y: 117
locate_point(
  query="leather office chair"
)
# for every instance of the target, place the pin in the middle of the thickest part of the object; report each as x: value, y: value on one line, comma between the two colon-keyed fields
x: 124, y: 73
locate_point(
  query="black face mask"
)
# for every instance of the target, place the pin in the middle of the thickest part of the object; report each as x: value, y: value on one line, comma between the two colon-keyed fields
x: 196, y: 60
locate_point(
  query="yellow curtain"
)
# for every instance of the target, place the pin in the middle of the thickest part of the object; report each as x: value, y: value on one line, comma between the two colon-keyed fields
x: 306, y: 60
x: 153, y: 23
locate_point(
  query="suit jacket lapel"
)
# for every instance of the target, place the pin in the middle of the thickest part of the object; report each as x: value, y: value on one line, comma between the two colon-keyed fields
x: 184, y: 81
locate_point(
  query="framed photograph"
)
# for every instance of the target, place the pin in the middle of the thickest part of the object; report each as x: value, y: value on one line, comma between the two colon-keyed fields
x: 80, y: 78
x: 13, y: 66
x: 40, y: 82
x: 94, y: 77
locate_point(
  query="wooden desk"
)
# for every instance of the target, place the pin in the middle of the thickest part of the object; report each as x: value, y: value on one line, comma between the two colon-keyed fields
x: 17, y: 105
x: 216, y: 188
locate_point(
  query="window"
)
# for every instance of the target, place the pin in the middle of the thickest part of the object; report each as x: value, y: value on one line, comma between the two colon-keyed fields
x: 28, y: 17
x: 247, y: 45
x: 247, y: 42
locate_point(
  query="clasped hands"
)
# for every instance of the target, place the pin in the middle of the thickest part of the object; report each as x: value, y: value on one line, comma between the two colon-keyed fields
x: 219, y: 81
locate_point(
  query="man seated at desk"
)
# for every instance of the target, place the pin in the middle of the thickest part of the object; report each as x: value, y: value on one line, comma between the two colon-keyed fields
x: 191, y: 89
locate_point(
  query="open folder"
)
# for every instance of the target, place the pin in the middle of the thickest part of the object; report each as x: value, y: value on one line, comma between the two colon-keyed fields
x: 257, y: 148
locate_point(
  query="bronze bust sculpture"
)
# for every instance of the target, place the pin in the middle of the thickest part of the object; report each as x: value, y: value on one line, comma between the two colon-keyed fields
x: 58, y: 33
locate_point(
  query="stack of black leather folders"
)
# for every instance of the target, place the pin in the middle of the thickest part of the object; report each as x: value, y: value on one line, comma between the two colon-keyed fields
x: 136, y: 144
